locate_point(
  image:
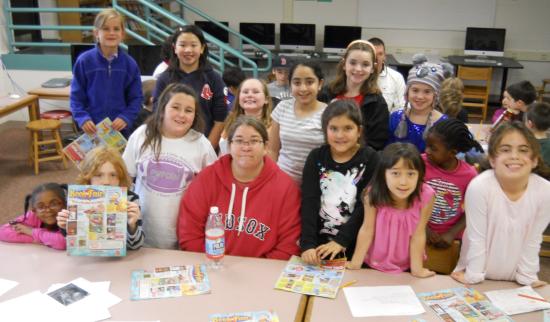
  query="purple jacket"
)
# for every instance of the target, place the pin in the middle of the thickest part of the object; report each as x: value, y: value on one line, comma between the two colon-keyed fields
x: 53, y: 239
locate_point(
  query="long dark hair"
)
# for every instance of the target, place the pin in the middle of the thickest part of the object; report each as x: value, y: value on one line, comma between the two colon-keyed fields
x: 153, y: 130
x: 455, y: 135
x: 379, y: 194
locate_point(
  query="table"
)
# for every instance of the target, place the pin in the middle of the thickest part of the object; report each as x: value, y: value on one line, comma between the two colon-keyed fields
x: 244, y: 284
x: 9, y: 105
x: 323, y: 309
x: 502, y: 62
x: 52, y: 93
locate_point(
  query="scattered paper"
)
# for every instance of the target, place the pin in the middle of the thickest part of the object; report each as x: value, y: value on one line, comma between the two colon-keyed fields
x: 258, y: 316
x: 546, y: 314
x: 6, y: 285
x: 382, y: 301
x: 511, y: 303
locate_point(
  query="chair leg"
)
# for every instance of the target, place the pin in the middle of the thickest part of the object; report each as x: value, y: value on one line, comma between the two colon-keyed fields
x: 59, y: 146
x: 35, y: 151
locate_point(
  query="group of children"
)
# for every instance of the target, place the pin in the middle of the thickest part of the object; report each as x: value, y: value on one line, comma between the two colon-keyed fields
x: 375, y: 187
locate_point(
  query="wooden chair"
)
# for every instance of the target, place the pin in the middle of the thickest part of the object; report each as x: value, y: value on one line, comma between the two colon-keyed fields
x: 545, y: 252
x: 476, y: 96
x: 44, y: 148
x: 542, y: 92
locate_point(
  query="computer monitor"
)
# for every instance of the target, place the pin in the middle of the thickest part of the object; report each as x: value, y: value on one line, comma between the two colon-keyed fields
x: 484, y: 41
x: 146, y: 57
x: 261, y: 33
x: 337, y: 38
x: 77, y: 49
x: 214, y: 30
x: 297, y: 36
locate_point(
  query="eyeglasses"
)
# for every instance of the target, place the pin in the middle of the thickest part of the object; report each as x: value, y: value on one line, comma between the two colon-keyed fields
x: 253, y: 142
x: 54, y: 204
x: 424, y: 71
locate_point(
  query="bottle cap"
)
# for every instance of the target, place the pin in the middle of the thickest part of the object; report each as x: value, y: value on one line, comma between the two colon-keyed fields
x: 214, y: 210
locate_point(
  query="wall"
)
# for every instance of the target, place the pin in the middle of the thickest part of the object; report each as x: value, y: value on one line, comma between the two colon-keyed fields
x: 526, y: 22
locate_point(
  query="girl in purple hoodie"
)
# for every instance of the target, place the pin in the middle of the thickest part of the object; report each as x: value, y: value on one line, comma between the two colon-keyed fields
x: 39, y: 224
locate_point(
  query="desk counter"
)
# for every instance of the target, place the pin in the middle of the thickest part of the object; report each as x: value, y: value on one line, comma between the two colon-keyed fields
x: 322, y: 309
x: 244, y: 284
x: 52, y: 93
x: 9, y: 105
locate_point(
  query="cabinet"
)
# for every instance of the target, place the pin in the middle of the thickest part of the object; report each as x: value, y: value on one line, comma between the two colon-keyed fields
x: 78, y: 19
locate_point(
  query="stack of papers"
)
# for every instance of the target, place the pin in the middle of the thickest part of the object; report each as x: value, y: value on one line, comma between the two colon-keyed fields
x: 518, y: 300
x: 382, y: 301
x: 77, y: 301
x: 6, y: 285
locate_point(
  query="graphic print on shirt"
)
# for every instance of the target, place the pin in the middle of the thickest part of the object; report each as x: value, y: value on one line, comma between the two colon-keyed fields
x: 338, y: 195
x: 251, y: 226
x: 206, y: 92
x: 448, y: 200
x: 167, y: 175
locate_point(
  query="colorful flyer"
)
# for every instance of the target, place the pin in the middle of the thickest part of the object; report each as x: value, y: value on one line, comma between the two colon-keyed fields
x: 170, y: 281
x: 97, y: 221
x: 463, y: 305
x: 300, y: 277
x: 105, y: 136
x: 258, y: 316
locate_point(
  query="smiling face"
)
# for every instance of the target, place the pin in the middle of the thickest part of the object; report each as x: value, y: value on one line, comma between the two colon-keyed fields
x: 179, y: 114
x: 358, y: 67
x: 380, y: 57
x: 401, y: 181
x: 508, y: 102
x: 421, y: 96
x: 247, y: 149
x: 46, y: 206
x: 188, y: 48
x: 110, y: 35
x: 343, y: 136
x: 305, y: 85
x: 106, y: 175
x: 437, y: 151
x: 281, y: 76
x: 252, y: 97
x: 514, y: 157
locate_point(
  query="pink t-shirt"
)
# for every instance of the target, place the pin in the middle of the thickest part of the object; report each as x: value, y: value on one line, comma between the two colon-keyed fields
x: 390, y: 249
x: 450, y: 187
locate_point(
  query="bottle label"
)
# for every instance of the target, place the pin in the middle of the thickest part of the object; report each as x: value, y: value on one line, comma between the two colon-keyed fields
x: 215, y: 244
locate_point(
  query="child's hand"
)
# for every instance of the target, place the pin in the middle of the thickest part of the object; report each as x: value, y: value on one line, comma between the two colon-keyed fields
x: 89, y: 127
x: 133, y: 216
x: 22, y: 229
x: 310, y: 257
x: 61, y: 218
x: 432, y: 237
x: 539, y: 283
x: 459, y: 277
x: 119, y: 124
x: 422, y: 273
x: 352, y: 265
x: 331, y: 249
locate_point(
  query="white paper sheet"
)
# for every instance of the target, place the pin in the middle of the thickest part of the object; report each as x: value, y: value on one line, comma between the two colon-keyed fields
x: 43, y: 309
x: 511, y: 303
x: 382, y: 301
x: 6, y: 285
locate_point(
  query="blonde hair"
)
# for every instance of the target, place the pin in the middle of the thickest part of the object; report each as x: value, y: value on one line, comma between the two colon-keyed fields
x: 238, y: 110
x: 370, y: 86
x: 450, y: 96
x: 97, y: 158
x: 105, y: 15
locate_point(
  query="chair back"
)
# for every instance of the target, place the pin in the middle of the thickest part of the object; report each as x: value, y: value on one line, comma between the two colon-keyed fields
x: 477, y: 85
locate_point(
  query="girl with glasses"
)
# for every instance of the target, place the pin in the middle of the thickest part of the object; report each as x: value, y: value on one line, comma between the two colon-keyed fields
x: 38, y: 224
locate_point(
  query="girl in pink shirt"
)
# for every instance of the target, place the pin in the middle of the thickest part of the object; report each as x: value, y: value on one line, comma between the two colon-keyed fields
x: 449, y: 177
x: 38, y: 225
x: 397, y: 208
x: 506, y: 212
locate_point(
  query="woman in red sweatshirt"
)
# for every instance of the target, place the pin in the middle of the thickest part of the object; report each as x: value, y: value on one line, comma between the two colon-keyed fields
x: 260, y: 203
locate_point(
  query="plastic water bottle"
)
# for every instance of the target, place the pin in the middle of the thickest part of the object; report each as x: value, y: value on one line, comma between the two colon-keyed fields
x: 215, y: 238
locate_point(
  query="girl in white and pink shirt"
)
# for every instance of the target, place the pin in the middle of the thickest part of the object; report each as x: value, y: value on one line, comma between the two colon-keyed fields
x: 506, y: 212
